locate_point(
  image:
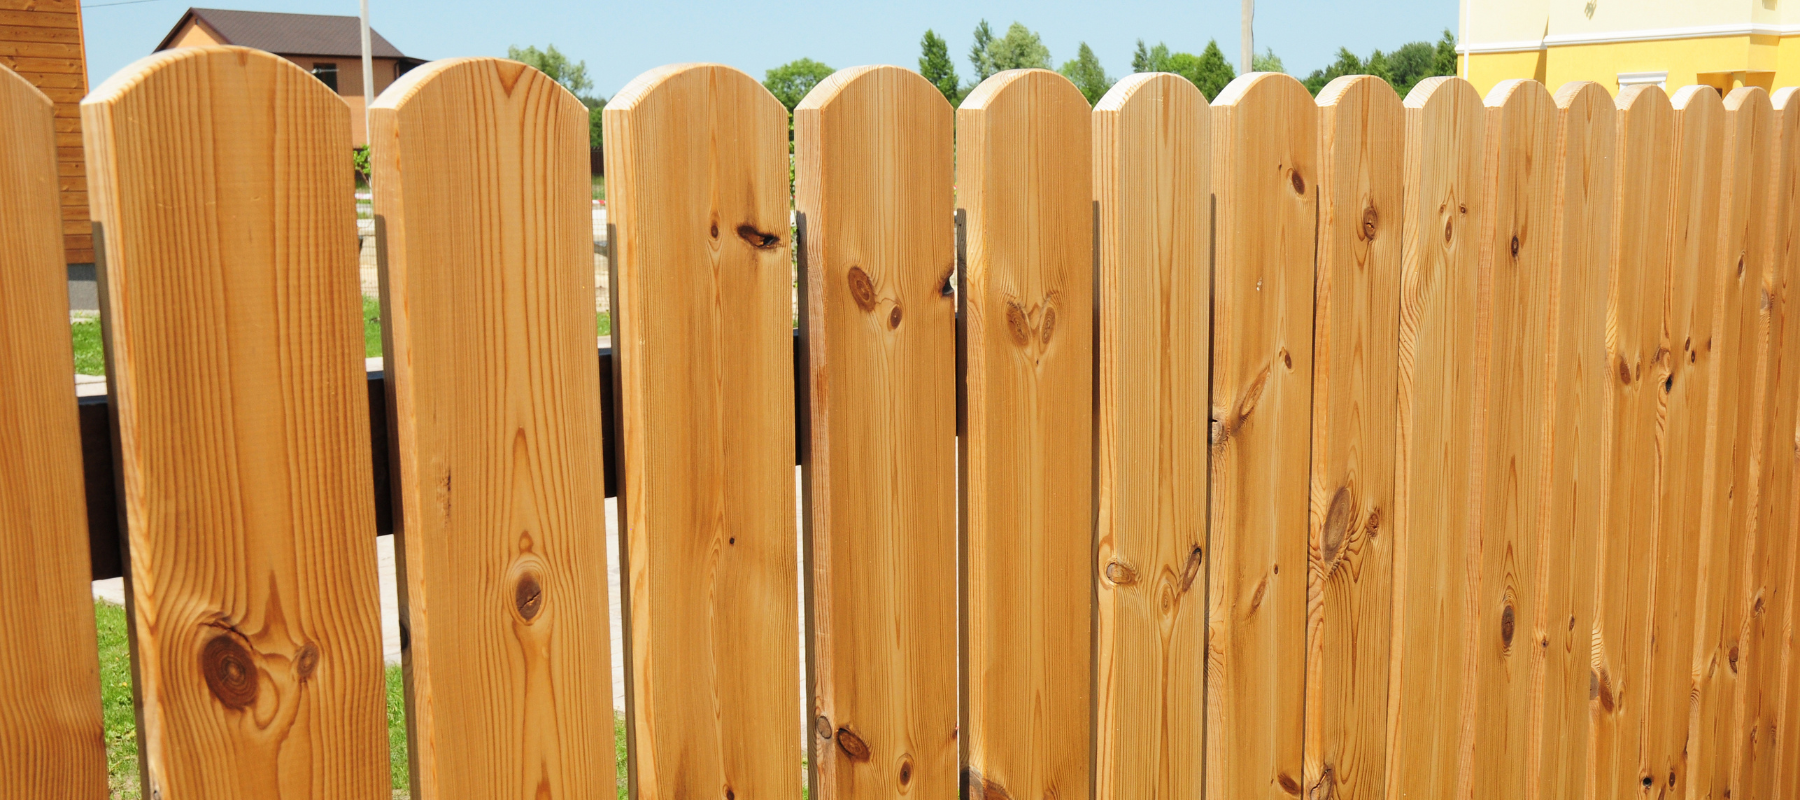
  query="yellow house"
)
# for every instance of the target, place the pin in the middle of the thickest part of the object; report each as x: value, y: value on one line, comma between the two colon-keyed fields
x: 1618, y: 43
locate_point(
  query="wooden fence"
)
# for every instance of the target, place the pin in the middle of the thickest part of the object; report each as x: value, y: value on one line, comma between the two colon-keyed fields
x: 1268, y: 448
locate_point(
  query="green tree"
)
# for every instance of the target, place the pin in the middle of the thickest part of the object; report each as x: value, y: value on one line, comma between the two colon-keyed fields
x: 936, y: 66
x: 791, y: 81
x: 978, y: 52
x: 1212, y: 72
x: 1346, y: 64
x: 1018, y: 49
x: 1446, y: 54
x: 571, y: 74
x: 1403, y: 68
x: 1087, y: 74
x: 550, y: 61
x: 1155, y: 59
x: 1266, y: 61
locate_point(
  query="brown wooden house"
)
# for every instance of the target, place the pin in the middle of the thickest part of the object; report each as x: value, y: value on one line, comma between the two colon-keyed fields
x: 41, y: 40
x: 330, y: 47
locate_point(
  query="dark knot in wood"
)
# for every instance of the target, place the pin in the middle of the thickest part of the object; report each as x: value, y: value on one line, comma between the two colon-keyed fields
x: 852, y: 745
x: 528, y: 596
x: 862, y: 289
x: 758, y: 239
x: 230, y: 672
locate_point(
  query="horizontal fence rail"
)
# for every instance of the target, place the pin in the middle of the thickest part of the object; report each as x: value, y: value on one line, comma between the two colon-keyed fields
x: 1277, y: 446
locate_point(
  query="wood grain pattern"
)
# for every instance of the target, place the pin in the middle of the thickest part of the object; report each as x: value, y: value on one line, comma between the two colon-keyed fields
x: 873, y: 158
x: 1513, y: 396
x: 1024, y: 181
x: 1585, y: 129
x: 698, y: 201
x: 1265, y: 172
x: 1356, y: 336
x: 1761, y: 716
x: 1640, y: 365
x: 1735, y: 419
x: 1153, y: 193
x: 480, y: 176
x: 1691, y: 241
x: 1777, y: 772
x: 36, y: 31
x: 51, y: 744
x: 1434, y: 556
x: 237, y: 377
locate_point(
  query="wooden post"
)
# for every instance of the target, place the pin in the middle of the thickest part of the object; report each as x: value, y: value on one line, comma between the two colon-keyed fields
x: 483, y: 201
x: 1569, y: 517
x: 1265, y: 168
x: 1351, y: 511
x: 703, y: 330
x: 1428, y: 687
x: 1639, y: 368
x: 1734, y: 445
x: 1025, y: 186
x: 1153, y: 207
x: 51, y: 743
x: 877, y: 263
x: 223, y: 192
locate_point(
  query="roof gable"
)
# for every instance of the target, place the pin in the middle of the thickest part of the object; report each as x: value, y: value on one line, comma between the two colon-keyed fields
x: 287, y: 34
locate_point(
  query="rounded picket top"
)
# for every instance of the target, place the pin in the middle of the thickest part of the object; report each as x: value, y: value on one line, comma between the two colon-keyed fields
x: 1374, y: 90
x: 468, y: 74
x: 252, y: 75
x: 1442, y: 89
x: 1784, y: 97
x: 1642, y: 96
x: 1517, y: 90
x: 17, y: 90
x: 1166, y: 86
x: 1748, y: 97
x: 1698, y: 97
x: 1041, y: 83
x: 866, y: 83
x: 1574, y: 93
x: 1251, y: 84
x: 661, y: 81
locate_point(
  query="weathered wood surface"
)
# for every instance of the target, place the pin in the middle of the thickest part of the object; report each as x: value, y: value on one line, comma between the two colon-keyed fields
x: 1692, y: 239
x: 1024, y: 182
x: 698, y: 201
x: 1265, y: 166
x: 1638, y: 387
x: 1434, y: 557
x: 480, y: 177
x: 219, y: 180
x: 1735, y: 423
x: 1356, y: 342
x: 1568, y: 519
x: 1153, y: 202
x: 51, y: 744
x: 873, y: 150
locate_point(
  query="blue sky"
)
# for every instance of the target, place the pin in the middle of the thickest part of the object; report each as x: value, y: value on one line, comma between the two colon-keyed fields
x: 619, y: 40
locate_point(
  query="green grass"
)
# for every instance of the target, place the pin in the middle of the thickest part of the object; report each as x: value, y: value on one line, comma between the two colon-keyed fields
x: 90, y: 359
x: 371, y: 327
x: 599, y: 187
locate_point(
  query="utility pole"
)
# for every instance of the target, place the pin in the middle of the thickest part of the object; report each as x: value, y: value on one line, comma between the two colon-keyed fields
x: 1249, y: 63
x: 368, y: 58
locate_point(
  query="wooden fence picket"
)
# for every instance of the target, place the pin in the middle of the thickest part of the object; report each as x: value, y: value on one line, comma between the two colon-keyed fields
x: 1428, y: 686
x: 1568, y: 518
x: 1355, y: 344
x: 1153, y: 203
x: 481, y: 190
x: 1763, y: 720
x: 1512, y: 408
x: 1640, y: 364
x: 50, y: 735
x: 873, y: 160
x: 1024, y: 182
x: 1735, y: 423
x: 703, y: 330
x: 1691, y: 240
x: 1265, y: 166
x: 221, y: 191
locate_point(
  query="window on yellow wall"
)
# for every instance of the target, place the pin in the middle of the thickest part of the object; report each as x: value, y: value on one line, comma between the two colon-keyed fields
x: 327, y: 73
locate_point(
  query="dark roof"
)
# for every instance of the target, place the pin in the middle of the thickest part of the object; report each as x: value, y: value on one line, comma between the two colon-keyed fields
x: 288, y: 34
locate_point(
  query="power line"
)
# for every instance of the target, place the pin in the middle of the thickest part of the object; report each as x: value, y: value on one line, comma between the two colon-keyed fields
x: 119, y: 3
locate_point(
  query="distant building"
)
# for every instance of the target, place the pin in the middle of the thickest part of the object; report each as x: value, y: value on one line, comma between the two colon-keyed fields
x: 42, y: 42
x: 329, y: 47
x: 1616, y: 43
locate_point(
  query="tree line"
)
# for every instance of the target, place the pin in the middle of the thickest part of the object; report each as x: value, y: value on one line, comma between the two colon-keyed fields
x: 1021, y: 48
